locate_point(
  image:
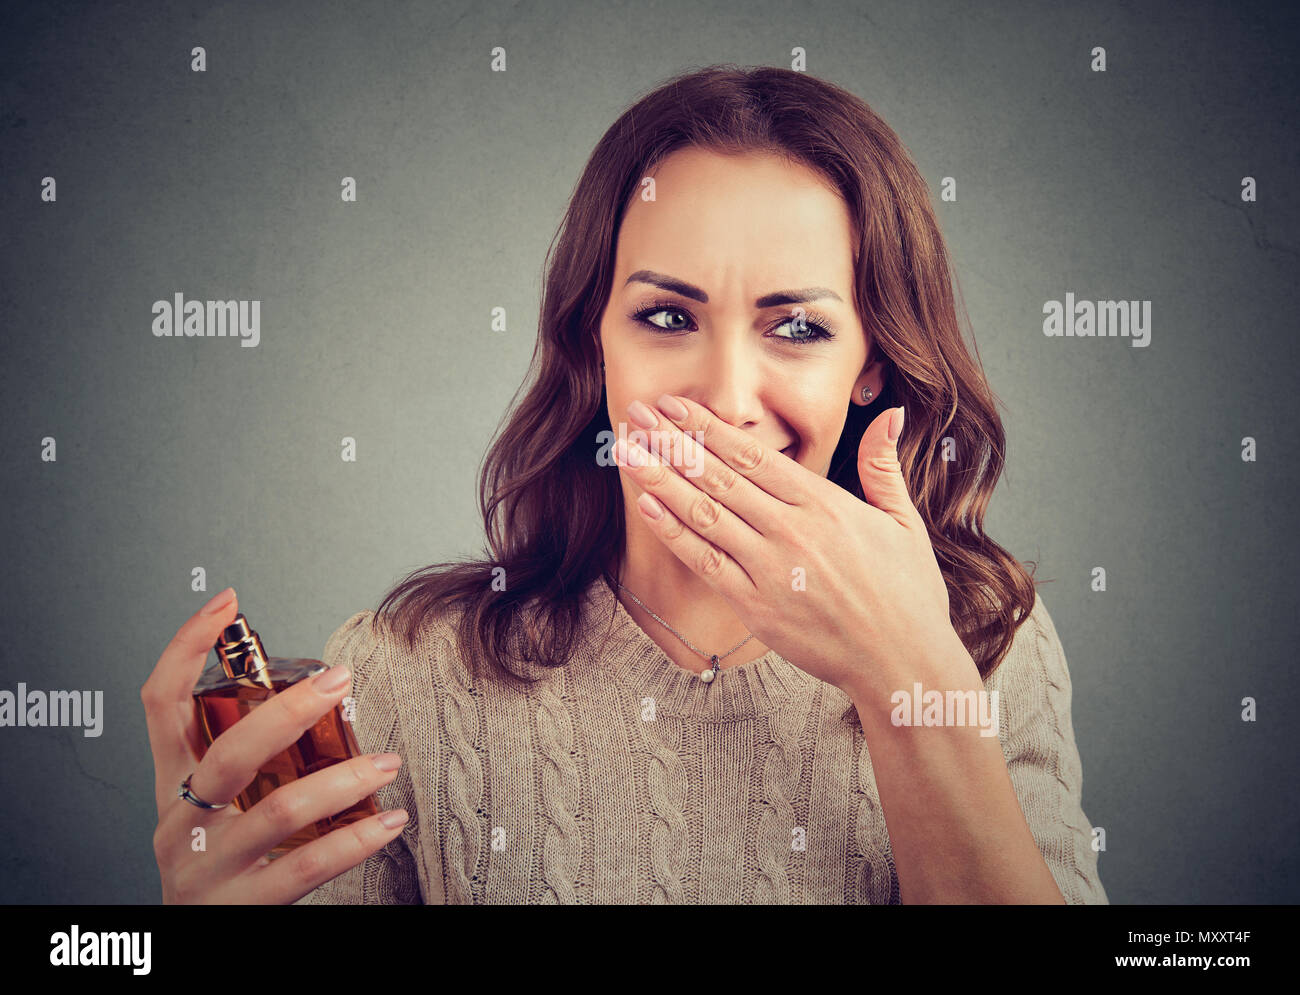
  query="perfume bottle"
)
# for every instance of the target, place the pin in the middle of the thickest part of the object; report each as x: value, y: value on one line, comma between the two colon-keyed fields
x: 245, y: 677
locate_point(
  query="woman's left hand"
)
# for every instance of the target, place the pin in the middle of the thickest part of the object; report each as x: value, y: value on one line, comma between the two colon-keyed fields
x: 849, y: 591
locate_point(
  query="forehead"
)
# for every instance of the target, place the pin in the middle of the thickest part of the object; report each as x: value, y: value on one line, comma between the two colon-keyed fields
x: 757, y: 215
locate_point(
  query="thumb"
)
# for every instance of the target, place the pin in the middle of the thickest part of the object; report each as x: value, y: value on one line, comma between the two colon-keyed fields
x: 881, y: 474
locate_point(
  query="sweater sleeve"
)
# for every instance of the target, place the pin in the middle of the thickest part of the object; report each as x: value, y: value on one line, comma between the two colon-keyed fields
x: 1037, y: 737
x: 387, y: 876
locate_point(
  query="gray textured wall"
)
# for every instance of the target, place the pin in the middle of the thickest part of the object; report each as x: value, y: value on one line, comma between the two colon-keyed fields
x: 176, y: 453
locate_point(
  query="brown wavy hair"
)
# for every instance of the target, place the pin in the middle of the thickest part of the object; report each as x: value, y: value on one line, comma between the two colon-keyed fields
x: 553, y: 517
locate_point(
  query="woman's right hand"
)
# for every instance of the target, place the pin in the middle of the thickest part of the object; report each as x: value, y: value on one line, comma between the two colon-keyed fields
x: 233, y: 869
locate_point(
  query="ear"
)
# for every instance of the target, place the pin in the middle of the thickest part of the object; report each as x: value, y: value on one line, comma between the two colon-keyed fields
x: 872, y: 381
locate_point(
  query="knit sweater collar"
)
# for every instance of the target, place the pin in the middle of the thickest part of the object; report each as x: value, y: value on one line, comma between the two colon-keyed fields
x: 622, y: 648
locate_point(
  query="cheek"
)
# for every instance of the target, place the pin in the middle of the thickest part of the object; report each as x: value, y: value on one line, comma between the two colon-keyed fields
x: 632, y: 376
x: 618, y: 395
x: 815, y: 417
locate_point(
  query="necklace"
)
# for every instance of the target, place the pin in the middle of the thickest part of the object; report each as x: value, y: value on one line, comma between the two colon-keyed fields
x: 713, y: 658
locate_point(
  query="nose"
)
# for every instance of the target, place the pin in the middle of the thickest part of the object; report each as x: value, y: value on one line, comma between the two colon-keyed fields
x: 730, y: 380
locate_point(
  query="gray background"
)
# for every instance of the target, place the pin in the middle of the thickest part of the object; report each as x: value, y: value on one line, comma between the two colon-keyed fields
x: 174, y: 453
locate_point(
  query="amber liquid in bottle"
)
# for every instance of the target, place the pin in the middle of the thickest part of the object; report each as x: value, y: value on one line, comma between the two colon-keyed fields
x: 245, y: 677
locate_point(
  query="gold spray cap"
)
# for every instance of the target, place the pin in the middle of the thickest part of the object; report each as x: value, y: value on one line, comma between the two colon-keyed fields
x: 240, y: 649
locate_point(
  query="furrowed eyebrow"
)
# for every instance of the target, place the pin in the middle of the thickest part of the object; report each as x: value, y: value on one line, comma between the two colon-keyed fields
x: 696, y: 294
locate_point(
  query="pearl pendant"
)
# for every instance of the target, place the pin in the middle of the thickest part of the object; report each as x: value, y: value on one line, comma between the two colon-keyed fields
x: 712, y: 672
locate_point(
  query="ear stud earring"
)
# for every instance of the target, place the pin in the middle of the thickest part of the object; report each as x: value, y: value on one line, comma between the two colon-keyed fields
x: 867, y: 394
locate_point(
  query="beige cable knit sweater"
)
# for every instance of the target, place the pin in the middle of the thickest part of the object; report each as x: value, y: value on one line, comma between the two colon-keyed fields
x: 625, y: 779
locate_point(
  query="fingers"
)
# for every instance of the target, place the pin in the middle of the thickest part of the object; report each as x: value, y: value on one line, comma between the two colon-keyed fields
x: 709, y: 473
x: 702, y: 556
x: 712, y: 524
x: 235, y: 757
x: 168, y: 703
x: 306, y: 868
x: 772, y: 472
x: 292, y: 806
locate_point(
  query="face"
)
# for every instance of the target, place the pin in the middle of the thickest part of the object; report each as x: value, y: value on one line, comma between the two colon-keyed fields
x: 734, y: 288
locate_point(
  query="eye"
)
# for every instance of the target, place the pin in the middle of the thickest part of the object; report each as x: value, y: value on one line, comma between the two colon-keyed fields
x: 659, y: 307
x: 806, y: 325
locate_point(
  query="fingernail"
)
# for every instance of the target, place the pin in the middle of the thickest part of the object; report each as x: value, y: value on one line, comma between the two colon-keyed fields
x: 672, y: 407
x: 630, y: 453
x: 387, y: 761
x: 896, y: 424
x: 394, y: 818
x: 642, y: 415
x: 331, y: 680
x: 218, y: 602
x: 650, y: 506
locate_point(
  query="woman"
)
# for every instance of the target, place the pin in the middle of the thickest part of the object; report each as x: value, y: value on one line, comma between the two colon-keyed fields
x: 767, y: 655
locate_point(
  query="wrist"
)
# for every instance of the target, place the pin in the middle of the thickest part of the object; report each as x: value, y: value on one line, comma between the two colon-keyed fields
x: 941, y: 663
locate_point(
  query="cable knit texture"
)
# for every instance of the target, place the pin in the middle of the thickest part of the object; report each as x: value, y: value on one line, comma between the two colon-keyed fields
x: 622, y: 778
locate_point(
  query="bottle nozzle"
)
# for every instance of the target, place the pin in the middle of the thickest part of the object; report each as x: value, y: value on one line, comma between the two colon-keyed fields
x: 239, y: 648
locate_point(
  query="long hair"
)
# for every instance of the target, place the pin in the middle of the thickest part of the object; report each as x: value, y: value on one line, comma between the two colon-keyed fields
x: 553, y: 517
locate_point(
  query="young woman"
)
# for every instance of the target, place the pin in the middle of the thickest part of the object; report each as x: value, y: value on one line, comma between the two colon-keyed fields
x: 768, y: 654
